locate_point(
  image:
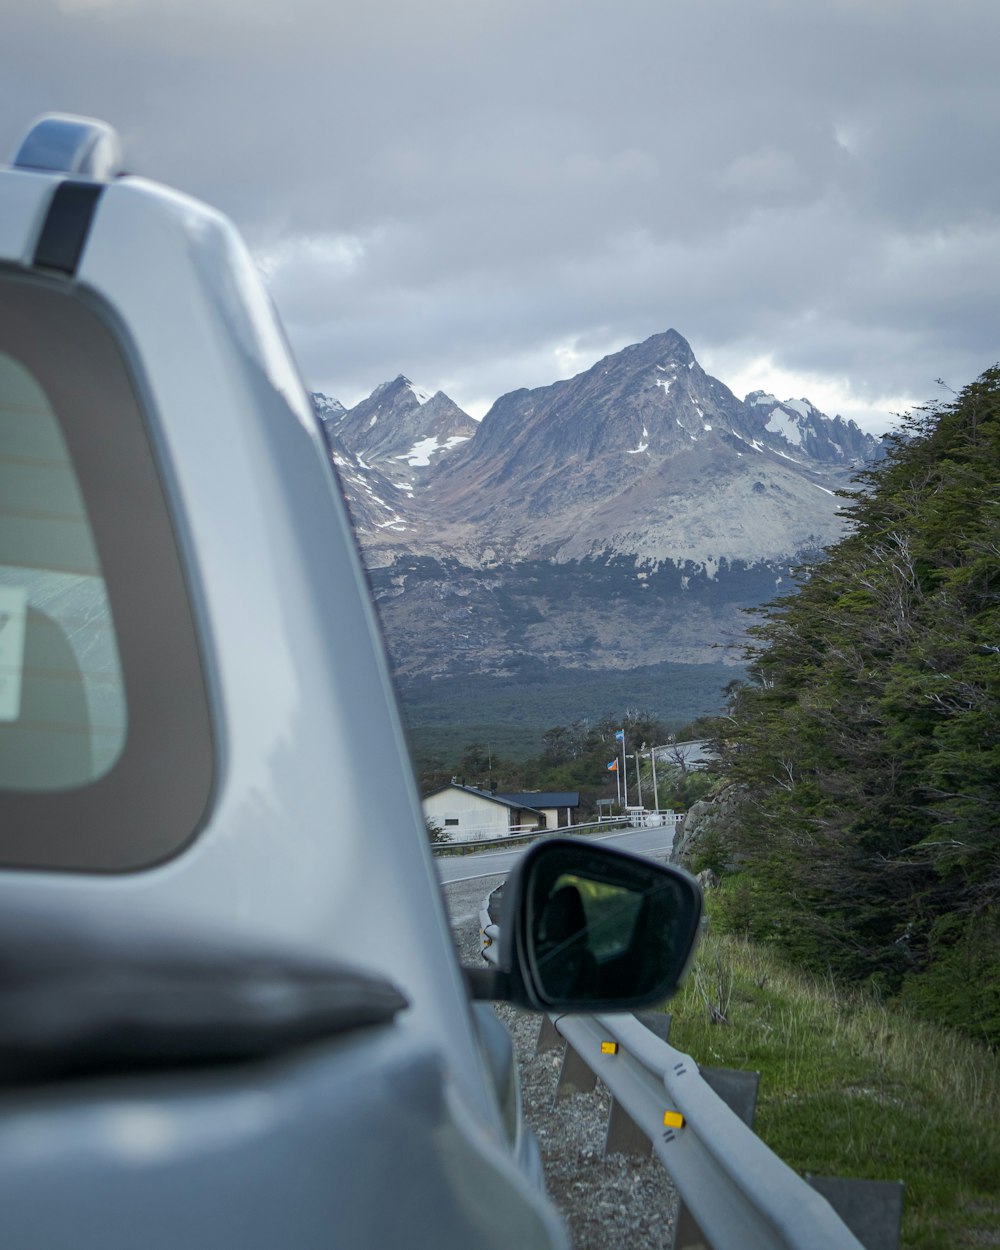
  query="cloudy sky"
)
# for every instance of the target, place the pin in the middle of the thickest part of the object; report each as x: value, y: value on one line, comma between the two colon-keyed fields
x: 488, y: 194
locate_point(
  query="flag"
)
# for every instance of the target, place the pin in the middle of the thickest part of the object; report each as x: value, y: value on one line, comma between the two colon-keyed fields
x: 613, y: 766
x: 619, y: 735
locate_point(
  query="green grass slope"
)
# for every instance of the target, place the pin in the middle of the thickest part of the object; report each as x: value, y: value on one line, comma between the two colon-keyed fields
x: 853, y: 1087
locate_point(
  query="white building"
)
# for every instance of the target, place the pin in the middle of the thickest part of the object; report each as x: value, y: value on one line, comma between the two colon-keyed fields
x: 466, y: 814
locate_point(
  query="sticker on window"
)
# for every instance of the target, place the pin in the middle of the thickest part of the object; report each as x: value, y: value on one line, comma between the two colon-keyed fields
x: 13, y: 613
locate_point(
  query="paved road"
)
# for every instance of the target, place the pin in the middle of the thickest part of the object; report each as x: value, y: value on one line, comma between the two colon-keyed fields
x: 655, y: 843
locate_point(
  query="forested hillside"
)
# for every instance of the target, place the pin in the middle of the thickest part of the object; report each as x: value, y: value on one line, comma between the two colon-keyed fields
x: 864, y: 818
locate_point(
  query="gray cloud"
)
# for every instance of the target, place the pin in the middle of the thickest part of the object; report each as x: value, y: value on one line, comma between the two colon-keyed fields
x: 490, y: 196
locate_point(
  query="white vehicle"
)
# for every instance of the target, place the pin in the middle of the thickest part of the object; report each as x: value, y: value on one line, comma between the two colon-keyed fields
x: 231, y: 1013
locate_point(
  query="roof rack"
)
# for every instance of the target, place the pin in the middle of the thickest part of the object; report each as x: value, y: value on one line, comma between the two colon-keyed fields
x: 63, y: 143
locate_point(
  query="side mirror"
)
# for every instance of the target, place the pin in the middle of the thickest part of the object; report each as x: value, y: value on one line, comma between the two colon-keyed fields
x: 587, y: 928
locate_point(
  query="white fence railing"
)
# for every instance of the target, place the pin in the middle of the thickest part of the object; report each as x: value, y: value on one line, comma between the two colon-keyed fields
x: 522, y: 833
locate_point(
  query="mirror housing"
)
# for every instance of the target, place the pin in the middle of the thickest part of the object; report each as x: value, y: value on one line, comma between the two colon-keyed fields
x: 587, y: 928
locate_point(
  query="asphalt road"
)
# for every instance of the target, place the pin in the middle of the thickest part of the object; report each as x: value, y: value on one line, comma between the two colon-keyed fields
x: 655, y: 843
x: 464, y: 899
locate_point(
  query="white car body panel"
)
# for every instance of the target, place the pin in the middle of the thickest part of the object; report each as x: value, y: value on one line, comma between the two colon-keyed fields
x: 315, y: 837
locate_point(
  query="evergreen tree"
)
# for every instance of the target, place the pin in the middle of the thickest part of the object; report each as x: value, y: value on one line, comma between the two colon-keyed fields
x: 867, y: 743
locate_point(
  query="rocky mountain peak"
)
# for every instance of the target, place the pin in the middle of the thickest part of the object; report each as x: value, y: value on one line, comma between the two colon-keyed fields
x: 621, y: 517
x: 401, y: 430
x: 668, y: 348
x: 798, y: 425
x: 642, y: 456
x: 327, y: 408
x: 399, y: 390
x: 600, y: 430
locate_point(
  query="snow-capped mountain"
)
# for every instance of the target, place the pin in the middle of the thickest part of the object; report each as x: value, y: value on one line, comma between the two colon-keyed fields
x: 327, y: 408
x: 402, y: 431
x: 830, y: 440
x: 646, y: 456
x: 620, y: 518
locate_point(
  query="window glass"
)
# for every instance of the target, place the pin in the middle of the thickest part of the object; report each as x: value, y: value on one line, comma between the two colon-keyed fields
x: 62, y: 704
x: 106, y: 742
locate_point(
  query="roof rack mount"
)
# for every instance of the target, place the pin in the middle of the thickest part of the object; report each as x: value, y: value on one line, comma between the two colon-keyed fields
x: 66, y: 144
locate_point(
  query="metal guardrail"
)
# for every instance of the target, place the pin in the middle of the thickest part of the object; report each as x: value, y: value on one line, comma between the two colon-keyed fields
x: 603, y: 825
x: 737, y: 1193
x: 504, y: 839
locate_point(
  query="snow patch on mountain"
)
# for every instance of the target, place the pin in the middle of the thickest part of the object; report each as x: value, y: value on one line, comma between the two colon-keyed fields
x: 401, y: 430
x: 422, y: 452
x: 780, y: 422
x: 419, y: 395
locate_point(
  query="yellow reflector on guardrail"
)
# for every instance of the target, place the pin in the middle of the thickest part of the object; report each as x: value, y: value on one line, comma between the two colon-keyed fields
x: 673, y: 1119
x: 609, y: 1048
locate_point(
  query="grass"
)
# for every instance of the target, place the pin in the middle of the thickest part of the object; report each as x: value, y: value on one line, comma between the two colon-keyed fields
x: 853, y: 1087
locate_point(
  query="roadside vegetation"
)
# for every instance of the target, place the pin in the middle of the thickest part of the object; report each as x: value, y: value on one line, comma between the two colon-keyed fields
x: 860, y: 816
x: 854, y: 950
x: 853, y: 1085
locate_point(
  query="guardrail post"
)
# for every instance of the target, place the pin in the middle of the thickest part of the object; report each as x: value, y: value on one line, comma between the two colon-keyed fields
x: 624, y: 1136
x: 549, y: 1037
x: 575, y: 1077
x: 658, y: 1023
x: 872, y: 1210
x: 687, y: 1233
x: 738, y: 1090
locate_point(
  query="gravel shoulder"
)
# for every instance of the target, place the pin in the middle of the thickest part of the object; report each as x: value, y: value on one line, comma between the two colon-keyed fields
x: 609, y: 1202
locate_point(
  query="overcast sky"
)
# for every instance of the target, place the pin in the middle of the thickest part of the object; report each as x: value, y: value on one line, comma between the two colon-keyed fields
x: 489, y: 194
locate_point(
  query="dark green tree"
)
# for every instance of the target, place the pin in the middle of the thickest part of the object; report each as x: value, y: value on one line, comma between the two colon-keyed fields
x: 866, y: 742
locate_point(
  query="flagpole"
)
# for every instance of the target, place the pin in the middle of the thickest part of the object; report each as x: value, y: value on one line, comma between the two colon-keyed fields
x: 613, y: 768
x: 624, y: 769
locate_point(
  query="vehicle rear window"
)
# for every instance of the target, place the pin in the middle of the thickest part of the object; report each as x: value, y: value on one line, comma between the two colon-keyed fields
x: 105, y: 743
x: 63, y: 715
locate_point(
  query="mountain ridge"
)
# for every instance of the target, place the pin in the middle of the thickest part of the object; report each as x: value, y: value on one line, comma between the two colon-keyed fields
x: 623, y: 517
x: 643, y: 454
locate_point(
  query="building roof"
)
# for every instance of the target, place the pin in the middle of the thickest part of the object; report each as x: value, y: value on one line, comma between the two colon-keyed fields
x: 543, y: 798
x: 504, y: 800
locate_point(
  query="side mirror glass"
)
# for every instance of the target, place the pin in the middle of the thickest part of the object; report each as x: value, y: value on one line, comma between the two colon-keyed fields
x: 586, y: 928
